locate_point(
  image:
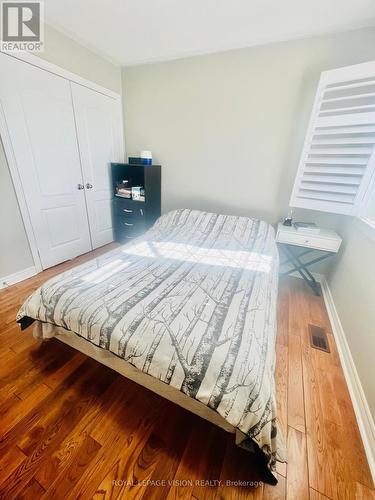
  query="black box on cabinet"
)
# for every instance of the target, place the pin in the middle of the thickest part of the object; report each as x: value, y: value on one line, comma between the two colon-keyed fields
x: 133, y: 217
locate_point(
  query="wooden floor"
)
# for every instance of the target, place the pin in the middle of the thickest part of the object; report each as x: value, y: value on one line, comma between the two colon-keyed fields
x: 70, y: 427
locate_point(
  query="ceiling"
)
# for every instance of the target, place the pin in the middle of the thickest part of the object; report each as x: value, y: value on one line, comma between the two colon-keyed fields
x: 139, y: 31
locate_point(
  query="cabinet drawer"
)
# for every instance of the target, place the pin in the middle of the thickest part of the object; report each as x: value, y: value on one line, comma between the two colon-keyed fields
x: 129, y: 227
x: 310, y: 241
x: 128, y: 208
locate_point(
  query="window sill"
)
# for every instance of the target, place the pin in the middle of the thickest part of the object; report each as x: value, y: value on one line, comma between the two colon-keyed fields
x: 367, y: 226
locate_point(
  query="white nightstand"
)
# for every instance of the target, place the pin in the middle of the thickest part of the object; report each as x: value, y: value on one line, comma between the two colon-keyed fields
x: 328, y: 242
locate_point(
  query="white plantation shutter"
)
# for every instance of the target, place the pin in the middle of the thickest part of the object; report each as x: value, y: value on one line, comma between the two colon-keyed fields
x: 338, y: 156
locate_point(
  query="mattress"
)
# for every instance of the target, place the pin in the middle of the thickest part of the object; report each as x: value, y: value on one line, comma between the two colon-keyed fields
x: 191, y: 303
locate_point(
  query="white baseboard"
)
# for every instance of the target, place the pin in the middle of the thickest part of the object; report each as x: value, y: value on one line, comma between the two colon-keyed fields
x: 365, y: 420
x: 12, y: 279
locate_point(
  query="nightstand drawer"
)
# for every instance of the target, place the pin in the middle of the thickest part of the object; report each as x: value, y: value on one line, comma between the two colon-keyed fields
x: 309, y: 240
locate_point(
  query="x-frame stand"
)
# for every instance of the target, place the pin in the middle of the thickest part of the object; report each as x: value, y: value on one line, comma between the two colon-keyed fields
x: 294, y: 258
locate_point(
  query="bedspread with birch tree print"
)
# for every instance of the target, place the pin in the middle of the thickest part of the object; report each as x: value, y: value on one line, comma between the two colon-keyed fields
x: 193, y: 303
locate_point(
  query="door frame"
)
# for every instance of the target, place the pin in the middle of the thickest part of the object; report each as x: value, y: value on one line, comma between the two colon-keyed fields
x: 33, y: 60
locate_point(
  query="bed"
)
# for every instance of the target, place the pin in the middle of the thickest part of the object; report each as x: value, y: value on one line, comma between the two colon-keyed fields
x: 187, y: 310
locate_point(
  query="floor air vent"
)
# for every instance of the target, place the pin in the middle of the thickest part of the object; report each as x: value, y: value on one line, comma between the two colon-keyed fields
x: 318, y: 338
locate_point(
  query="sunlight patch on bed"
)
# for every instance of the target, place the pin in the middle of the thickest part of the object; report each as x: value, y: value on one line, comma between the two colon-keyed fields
x: 105, y: 272
x: 252, y: 261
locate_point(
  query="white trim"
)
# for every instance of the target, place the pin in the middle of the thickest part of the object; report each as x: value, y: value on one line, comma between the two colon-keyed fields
x: 34, y: 60
x: 14, y: 278
x: 365, y: 420
x: 226, y: 47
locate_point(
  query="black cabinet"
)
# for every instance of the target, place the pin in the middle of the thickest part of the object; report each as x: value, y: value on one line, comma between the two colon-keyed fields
x: 132, y: 217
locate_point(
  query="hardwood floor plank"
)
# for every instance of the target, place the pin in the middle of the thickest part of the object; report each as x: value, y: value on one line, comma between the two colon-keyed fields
x: 11, y: 370
x: 283, y: 313
x: 32, y: 490
x: 9, y: 461
x: 6, y: 354
x: 315, y: 495
x: 318, y: 312
x: 210, y: 463
x: 299, y: 308
x: 173, y: 437
x: 329, y: 470
x: 78, y: 397
x: 133, y: 468
x: 281, y: 386
x: 201, y: 461
x: 281, y: 468
x: 296, y: 408
x: 74, y: 387
x: 240, y: 476
x: 13, y: 411
x: 328, y: 401
x: 277, y: 492
x: 34, y: 371
x: 131, y: 472
x: 23, y: 343
x: 119, y: 432
x: 55, y: 377
x: 35, y: 411
x: 60, y: 460
x: 362, y: 492
x: 317, y: 446
x: 84, y: 457
x: 353, y: 442
x: 122, y: 394
x: 69, y: 450
x: 50, y: 431
x: 297, y: 475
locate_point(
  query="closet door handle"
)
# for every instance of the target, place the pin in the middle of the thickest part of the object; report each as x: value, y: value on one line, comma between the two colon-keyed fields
x: 80, y: 186
x: 88, y: 185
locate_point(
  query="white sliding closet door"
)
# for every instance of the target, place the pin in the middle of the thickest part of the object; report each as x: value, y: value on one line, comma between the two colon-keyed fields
x: 38, y: 112
x: 99, y: 131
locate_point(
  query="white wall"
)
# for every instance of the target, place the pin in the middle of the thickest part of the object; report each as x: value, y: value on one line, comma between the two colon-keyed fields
x: 352, y: 284
x: 14, y: 249
x: 228, y: 128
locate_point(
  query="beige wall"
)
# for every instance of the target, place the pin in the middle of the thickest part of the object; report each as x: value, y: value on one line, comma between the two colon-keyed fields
x: 228, y: 128
x: 60, y: 50
x: 352, y: 284
x: 70, y: 55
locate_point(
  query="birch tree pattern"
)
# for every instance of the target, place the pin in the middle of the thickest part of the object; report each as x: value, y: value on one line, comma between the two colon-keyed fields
x: 193, y: 303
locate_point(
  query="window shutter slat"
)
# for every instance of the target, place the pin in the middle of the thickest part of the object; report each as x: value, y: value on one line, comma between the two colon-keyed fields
x: 338, y: 155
